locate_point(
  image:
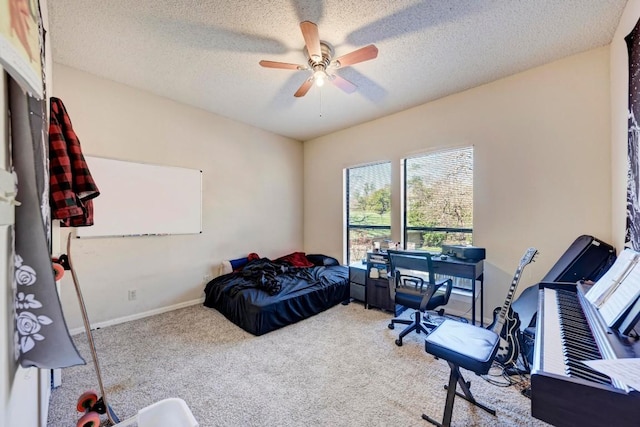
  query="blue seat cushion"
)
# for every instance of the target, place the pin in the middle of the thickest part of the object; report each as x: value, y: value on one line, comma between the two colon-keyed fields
x: 470, y: 347
x: 413, y: 300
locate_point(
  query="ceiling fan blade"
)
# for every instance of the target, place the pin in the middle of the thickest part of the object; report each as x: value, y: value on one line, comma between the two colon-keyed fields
x: 283, y: 65
x: 363, y: 54
x: 302, y: 91
x: 343, y: 84
x: 311, y: 39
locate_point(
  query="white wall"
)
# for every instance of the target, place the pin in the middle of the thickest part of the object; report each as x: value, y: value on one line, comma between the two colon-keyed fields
x: 619, y: 123
x: 542, y: 173
x: 252, y: 196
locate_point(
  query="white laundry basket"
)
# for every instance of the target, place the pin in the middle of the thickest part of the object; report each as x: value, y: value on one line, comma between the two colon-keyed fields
x: 172, y: 412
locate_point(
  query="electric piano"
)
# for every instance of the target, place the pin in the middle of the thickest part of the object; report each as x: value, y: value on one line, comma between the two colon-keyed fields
x: 564, y: 391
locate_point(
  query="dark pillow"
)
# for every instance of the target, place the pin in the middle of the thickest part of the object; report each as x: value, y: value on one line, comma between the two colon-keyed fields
x: 237, y: 264
x: 296, y: 259
x: 322, y: 260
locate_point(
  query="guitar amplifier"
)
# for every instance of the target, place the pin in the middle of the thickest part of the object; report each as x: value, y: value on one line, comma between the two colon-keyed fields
x: 471, y: 253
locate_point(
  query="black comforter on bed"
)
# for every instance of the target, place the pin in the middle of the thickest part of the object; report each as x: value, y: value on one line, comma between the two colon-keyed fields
x: 266, y: 295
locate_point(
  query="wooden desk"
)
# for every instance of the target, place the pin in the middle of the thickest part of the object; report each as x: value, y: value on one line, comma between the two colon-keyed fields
x: 472, y: 270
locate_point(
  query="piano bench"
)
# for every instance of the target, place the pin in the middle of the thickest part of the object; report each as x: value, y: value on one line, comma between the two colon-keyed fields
x: 463, y: 346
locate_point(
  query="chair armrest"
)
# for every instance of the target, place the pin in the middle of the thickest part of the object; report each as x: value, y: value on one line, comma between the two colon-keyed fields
x: 442, y: 282
x: 449, y: 288
x: 407, y: 280
x: 431, y: 290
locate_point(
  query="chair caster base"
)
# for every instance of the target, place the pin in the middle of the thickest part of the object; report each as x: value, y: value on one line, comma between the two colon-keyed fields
x: 391, y: 326
x: 399, y: 343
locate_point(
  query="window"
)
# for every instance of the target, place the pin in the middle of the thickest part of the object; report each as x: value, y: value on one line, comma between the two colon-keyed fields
x: 368, y: 208
x: 438, y: 200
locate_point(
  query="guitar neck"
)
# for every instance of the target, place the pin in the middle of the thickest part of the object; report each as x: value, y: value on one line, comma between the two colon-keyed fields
x: 526, y: 259
x: 507, y: 302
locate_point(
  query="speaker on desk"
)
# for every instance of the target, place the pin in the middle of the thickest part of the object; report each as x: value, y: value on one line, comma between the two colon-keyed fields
x: 470, y: 253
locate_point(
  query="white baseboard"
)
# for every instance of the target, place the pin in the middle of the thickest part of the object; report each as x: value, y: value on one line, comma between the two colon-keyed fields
x: 137, y: 316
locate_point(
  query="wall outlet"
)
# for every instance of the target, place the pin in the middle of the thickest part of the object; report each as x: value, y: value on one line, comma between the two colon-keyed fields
x: 133, y: 294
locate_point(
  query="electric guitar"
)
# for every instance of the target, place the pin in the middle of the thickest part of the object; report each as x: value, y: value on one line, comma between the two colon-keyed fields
x: 506, y: 322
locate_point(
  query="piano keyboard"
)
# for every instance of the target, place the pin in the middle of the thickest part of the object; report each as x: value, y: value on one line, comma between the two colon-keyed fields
x: 564, y: 391
x: 568, y: 339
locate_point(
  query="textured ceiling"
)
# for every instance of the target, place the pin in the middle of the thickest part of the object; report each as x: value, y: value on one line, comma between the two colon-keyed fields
x: 206, y: 53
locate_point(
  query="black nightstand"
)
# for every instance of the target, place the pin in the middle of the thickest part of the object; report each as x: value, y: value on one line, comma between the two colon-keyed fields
x: 379, y: 295
x: 379, y: 289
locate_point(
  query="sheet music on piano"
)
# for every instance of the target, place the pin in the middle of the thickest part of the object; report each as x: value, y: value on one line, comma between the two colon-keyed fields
x: 625, y: 370
x: 570, y: 330
x: 618, y: 289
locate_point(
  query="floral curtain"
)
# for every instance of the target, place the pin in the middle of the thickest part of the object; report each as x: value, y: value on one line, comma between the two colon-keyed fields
x: 632, y: 238
x: 41, y: 337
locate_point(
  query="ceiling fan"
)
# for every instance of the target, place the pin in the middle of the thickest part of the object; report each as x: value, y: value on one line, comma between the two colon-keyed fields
x: 321, y: 63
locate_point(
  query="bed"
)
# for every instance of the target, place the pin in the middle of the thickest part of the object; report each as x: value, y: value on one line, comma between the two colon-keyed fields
x: 263, y: 295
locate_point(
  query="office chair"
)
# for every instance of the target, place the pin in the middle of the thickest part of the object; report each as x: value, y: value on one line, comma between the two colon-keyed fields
x: 416, y: 288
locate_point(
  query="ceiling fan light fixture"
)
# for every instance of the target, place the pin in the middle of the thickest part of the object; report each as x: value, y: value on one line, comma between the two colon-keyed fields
x: 319, y: 77
x: 319, y: 56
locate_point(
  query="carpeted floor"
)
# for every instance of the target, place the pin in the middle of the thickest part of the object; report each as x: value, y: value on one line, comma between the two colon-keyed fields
x: 338, y: 368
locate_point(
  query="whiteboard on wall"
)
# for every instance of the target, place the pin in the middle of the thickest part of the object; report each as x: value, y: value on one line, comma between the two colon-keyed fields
x: 143, y: 199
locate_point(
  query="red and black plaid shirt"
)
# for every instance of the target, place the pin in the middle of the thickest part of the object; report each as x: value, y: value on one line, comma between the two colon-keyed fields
x: 72, y: 186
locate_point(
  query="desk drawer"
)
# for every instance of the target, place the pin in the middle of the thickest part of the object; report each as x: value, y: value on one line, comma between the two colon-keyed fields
x: 357, y: 291
x: 452, y: 267
x: 358, y: 275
